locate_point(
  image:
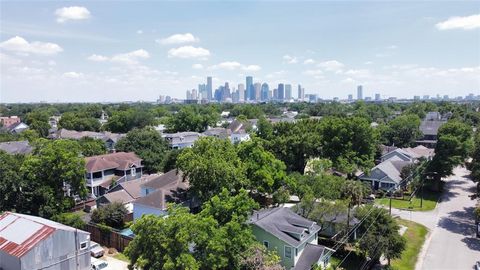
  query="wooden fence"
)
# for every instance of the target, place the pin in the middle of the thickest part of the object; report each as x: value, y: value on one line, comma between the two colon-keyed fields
x: 109, y: 238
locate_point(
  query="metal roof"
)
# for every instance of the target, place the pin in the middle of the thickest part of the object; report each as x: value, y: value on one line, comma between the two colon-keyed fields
x: 20, y: 233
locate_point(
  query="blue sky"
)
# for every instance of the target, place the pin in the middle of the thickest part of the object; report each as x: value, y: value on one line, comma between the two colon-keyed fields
x: 119, y: 51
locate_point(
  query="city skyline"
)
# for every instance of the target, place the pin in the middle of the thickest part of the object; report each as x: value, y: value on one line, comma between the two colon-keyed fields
x: 87, y: 51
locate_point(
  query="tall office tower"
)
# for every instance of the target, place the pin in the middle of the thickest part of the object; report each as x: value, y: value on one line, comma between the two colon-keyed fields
x: 209, y: 88
x: 288, y: 91
x: 235, y: 97
x: 426, y: 97
x: 250, y: 94
x: 416, y: 97
x: 359, y: 92
x: 281, y: 92
x: 258, y: 90
x: 301, y: 93
x: 275, y: 94
x: 241, y: 92
x: 377, y: 97
x: 226, y: 92
x: 265, y: 90
x: 270, y: 94
x: 350, y: 97
x: 189, y: 95
x: 445, y: 97
x: 194, y: 94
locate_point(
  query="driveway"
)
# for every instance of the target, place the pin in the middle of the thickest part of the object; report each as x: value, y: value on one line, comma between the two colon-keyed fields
x: 451, y: 243
x: 115, y: 264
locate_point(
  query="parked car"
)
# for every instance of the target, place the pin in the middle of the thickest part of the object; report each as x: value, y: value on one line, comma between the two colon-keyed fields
x: 96, y: 250
x: 477, y: 266
x: 99, y: 264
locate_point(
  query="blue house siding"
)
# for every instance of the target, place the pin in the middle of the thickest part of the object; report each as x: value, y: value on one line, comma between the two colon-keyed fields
x: 139, y: 210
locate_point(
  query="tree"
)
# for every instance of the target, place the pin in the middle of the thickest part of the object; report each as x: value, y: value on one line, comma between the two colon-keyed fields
x: 216, y: 238
x: 402, y: 131
x: 191, y: 118
x: 355, y: 191
x: 55, y: 167
x: 92, y: 147
x: 112, y: 215
x: 379, y: 234
x: 258, y: 257
x: 326, y: 212
x: 265, y: 173
x: 11, y: 181
x: 122, y: 121
x: 453, y: 146
x: 149, y: 145
x: 474, y: 165
x: 79, y: 122
x: 210, y: 165
x: 70, y: 219
x: 38, y: 121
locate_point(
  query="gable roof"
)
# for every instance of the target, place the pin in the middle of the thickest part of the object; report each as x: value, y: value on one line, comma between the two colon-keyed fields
x: 20, y: 233
x: 310, y: 256
x: 119, y: 161
x: 181, y: 137
x: 77, y: 135
x: 430, y: 127
x: 392, y: 168
x: 169, y: 187
x: 17, y: 147
x: 282, y: 222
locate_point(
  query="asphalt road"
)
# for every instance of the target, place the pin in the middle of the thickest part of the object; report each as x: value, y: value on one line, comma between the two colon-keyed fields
x: 452, y: 243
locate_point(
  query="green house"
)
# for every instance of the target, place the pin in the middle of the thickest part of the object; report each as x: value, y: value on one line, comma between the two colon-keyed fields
x: 292, y: 236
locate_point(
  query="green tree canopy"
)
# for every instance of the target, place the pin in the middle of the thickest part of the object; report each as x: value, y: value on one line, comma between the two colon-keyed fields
x: 149, y: 145
x: 92, y: 147
x: 210, y: 165
x: 402, y: 131
x: 79, y: 122
x: 193, y: 118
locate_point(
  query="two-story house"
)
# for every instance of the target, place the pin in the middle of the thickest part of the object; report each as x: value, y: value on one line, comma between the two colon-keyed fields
x: 293, y: 237
x: 181, y: 140
x: 102, y: 170
x: 386, y: 175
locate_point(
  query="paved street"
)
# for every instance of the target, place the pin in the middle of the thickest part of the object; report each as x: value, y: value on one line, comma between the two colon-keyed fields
x: 452, y: 243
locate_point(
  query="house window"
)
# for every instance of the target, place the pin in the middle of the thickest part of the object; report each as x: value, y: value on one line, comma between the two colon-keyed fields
x: 266, y: 244
x: 288, y: 252
x: 83, y: 245
x: 133, y: 171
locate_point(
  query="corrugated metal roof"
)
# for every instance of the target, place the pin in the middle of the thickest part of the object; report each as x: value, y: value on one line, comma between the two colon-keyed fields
x: 20, y: 233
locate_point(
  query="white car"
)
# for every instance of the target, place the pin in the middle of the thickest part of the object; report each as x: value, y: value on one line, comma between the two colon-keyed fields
x: 477, y: 266
x: 99, y: 264
x: 96, y: 250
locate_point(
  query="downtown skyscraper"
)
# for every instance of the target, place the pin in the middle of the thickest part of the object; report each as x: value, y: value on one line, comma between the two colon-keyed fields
x: 209, y: 88
x: 359, y: 92
x: 250, y: 91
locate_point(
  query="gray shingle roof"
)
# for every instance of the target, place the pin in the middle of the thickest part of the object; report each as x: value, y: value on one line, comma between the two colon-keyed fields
x: 283, y: 223
x: 17, y: 147
x: 310, y: 256
x: 430, y: 127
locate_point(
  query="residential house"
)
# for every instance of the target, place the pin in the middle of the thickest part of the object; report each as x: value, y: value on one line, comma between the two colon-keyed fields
x: 17, y: 147
x: 386, y: 175
x: 7, y: 121
x: 124, y: 192
x: 429, y: 128
x: 161, y: 190
x: 29, y: 242
x: 110, y: 139
x: 54, y: 120
x: 181, y: 140
x: 410, y: 154
x: 221, y: 133
x: 293, y: 237
x: 15, y: 128
x: 238, y: 130
x: 102, y: 170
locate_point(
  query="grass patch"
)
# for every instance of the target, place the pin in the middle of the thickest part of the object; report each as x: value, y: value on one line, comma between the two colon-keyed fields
x: 415, y: 236
x: 430, y: 199
x: 122, y: 257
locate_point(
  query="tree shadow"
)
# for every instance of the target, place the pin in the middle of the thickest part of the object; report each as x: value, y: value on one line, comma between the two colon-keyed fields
x: 459, y: 222
x: 472, y: 243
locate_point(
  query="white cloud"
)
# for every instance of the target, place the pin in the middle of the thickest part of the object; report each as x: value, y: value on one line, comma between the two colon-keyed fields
x: 197, y: 66
x: 178, y: 39
x: 73, y: 75
x: 20, y: 45
x: 392, y: 47
x: 97, y: 58
x: 331, y: 65
x: 233, y: 65
x: 466, y: 23
x: 309, y: 61
x: 358, y: 73
x: 290, y: 59
x: 140, y: 31
x: 130, y: 58
x: 72, y: 13
x: 189, y: 52
x: 368, y: 63
x: 313, y: 72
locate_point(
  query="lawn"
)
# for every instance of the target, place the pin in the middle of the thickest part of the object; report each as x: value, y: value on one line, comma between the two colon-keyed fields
x: 122, y: 257
x: 430, y: 199
x: 415, y: 236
